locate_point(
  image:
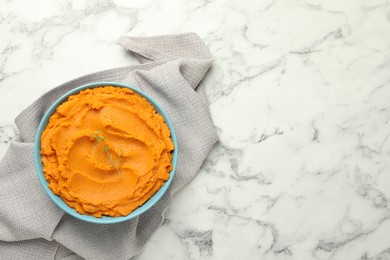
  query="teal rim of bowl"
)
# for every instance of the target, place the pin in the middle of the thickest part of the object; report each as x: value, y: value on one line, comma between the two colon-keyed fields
x: 57, y: 199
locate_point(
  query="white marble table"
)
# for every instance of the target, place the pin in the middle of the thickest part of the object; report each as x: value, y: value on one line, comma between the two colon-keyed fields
x: 300, y: 95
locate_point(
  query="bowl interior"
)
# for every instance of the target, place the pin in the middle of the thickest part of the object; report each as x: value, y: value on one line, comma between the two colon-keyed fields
x: 57, y: 200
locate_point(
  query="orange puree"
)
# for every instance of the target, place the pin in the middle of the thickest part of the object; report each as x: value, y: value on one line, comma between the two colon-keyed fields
x: 106, y: 151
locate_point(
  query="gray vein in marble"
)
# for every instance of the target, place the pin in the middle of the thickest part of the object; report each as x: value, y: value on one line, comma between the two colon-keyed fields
x: 7, y: 132
x: 332, y: 246
x: 315, y: 134
x: 38, y: 30
x: 337, y: 34
x: 264, y: 136
x: 228, y: 89
x: 384, y: 255
x: 275, y: 246
x: 378, y: 199
x: 318, y: 7
x: 192, y: 238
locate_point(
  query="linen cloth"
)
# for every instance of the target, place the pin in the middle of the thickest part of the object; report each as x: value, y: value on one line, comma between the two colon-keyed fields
x: 33, y: 227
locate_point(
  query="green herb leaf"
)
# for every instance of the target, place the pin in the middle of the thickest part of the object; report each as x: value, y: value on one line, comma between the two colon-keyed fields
x: 100, y: 140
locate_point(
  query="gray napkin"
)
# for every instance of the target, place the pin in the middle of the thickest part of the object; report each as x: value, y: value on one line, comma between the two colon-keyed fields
x: 33, y: 227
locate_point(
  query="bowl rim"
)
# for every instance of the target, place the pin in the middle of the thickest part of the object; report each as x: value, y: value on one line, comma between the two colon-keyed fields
x: 58, y: 200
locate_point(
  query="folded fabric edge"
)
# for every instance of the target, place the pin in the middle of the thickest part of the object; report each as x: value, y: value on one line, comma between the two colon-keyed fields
x: 139, y: 45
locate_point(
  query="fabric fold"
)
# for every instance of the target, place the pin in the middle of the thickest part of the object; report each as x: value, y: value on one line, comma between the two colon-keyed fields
x: 171, y: 69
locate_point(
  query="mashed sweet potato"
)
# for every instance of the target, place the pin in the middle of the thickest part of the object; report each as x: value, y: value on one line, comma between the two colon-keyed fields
x: 105, y: 151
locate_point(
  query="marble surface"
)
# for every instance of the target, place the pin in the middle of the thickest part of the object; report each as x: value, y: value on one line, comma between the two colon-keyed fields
x: 300, y: 95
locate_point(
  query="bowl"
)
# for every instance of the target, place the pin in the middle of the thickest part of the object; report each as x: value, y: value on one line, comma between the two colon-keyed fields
x: 58, y: 200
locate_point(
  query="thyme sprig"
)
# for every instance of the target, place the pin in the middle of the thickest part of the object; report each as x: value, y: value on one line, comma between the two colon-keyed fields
x: 99, y: 140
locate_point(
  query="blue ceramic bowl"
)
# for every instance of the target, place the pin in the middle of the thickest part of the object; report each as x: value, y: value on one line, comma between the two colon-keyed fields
x: 57, y: 200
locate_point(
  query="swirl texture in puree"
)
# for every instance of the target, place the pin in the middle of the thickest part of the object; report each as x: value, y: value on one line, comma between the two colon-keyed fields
x: 105, y: 151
